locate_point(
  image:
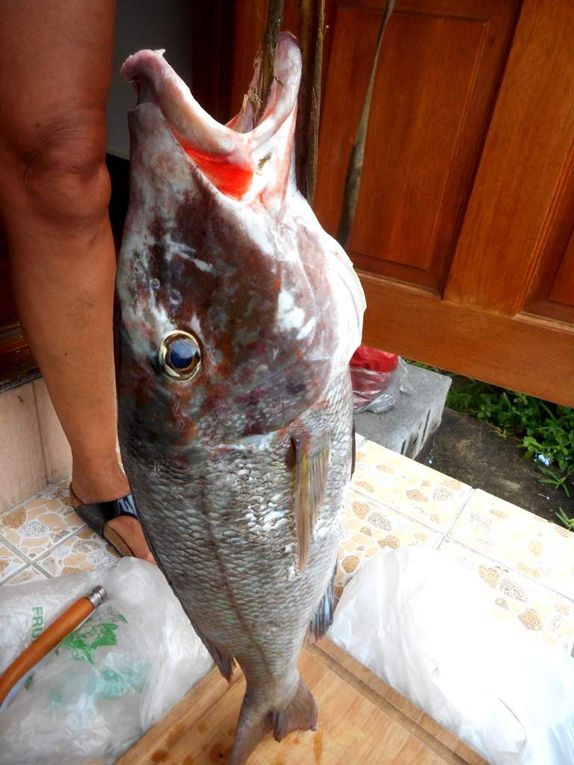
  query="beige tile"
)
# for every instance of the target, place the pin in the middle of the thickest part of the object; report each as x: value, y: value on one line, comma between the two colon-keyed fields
x: 28, y: 574
x: 10, y: 561
x: 38, y: 525
x: 414, y: 489
x: 57, y: 454
x: 518, y: 539
x: 371, y: 527
x: 84, y: 551
x: 22, y: 468
x: 534, y: 606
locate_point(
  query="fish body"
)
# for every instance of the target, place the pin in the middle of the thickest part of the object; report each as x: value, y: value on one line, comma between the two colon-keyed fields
x: 237, y: 317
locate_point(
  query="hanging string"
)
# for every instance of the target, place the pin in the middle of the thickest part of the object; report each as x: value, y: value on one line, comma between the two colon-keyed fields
x: 357, y: 156
x: 311, y: 35
x: 260, y: 94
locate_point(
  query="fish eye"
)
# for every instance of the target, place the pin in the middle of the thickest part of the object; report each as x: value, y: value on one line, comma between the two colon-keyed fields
x: 180, y: 355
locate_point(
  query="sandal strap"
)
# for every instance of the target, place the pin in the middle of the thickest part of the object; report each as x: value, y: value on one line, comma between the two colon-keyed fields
x: 97, y: 514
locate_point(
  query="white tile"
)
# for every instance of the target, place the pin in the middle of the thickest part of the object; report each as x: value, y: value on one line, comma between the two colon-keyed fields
x: 535, y: 607
x: 416, y: 490
x: 11, y: 561
x: 40, y: 523
x: 519, y: 540
x: 22, y: 467
x: 84, y: 551
x: 28, y: 574
x: 370, y: 527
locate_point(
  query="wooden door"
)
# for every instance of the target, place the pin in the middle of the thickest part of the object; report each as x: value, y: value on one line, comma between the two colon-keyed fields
x: 464, y: 233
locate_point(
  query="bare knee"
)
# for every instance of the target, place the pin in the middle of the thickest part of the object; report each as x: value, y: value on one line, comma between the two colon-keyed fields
x: 57, y: 171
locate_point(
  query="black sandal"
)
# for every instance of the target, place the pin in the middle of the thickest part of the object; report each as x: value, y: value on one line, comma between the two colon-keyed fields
x: 97, y: 516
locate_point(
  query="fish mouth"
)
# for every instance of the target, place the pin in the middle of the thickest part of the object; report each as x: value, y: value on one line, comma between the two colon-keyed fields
x: 230, y: 155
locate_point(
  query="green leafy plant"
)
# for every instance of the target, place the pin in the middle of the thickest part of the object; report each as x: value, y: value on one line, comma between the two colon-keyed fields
x: 564, y: 518
x: 544, y: 430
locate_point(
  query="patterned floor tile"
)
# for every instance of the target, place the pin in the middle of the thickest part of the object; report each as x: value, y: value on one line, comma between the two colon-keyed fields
x: 518, y: 539
x: 84, y: 551
x: 10, y: 562
x: 414, y: 489
x: 28, y: 574
x: 371, y: 527
x: 536, y: 607
x: 41, y: 523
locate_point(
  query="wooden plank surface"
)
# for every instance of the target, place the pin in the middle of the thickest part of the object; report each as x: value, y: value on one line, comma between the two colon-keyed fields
x: 361, y: 719
x: 523, y: 353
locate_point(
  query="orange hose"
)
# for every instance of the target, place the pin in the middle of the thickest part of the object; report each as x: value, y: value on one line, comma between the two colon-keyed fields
x: 44, y: 643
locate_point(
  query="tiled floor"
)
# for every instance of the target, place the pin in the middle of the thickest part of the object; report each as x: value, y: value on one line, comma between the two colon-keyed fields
x: 44, y: 537
x: 527, y: 562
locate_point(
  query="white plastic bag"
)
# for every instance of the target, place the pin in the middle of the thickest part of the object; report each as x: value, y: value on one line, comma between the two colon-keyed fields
x: 377, y: 392
x: 110, y: 680
x: 428, y: 628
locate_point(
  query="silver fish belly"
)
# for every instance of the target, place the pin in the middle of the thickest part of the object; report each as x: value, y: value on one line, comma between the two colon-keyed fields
x: 237, y: 317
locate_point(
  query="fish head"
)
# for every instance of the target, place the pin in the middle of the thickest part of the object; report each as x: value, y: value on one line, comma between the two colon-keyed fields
x: 233, y: 309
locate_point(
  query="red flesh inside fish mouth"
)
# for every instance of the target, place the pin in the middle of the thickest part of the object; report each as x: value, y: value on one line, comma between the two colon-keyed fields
x: 228, y: 155
x: 229, y: 178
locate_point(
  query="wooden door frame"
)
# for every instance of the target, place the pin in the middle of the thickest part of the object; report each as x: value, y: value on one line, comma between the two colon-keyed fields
x: 494, y: 337
x: 402, y: 319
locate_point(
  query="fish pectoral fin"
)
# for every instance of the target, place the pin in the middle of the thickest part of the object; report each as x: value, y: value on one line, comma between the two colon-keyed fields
x: 311, y: 466
x: 299, y: 714
x: 323, y: 618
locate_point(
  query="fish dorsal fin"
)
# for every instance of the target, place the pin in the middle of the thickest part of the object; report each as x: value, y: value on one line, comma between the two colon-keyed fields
x: 311, y: 463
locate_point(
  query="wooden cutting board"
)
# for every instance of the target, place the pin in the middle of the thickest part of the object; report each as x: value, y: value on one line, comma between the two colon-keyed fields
x: 361, y: 720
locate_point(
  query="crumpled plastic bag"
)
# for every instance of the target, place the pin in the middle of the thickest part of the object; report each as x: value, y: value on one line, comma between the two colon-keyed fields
x: 427, y: 627
x: 110, y: 680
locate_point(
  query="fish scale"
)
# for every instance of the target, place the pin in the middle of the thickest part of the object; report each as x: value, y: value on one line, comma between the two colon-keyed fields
x: 239, y: 465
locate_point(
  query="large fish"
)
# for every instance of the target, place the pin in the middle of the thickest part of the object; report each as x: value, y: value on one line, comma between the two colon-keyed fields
x: 237, y: 318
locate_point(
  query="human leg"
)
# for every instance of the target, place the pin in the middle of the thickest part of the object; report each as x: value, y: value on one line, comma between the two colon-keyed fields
x: 54, y: 191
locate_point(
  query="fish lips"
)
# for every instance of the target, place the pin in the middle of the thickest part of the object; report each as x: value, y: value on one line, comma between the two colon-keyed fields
x: 240, y: 159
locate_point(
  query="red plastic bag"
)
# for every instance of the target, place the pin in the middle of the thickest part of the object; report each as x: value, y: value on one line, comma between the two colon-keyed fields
x: 376, y: 376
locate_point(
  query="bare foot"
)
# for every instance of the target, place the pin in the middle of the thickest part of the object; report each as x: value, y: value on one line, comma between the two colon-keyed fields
x: 130, y: 529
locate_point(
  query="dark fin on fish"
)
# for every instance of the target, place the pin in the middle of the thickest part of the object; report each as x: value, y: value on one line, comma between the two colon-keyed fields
x: 323, y: 618
x: 311, y: 465
x: 251, y: 728
x: 299, y: 714
x: 225, y: 664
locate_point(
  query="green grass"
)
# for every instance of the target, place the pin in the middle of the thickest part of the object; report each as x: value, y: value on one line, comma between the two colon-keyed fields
x: 545, y: 431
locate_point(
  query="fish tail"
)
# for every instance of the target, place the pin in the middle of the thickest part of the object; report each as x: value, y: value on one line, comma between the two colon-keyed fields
x: 300, y: 713
x: 252, y: 725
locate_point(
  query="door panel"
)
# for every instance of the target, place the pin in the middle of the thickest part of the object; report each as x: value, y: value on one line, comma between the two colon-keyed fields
x: 521, y: 353
x: 525, y: 165
x: 436, y: 81
x: 464, y: 235
x: 563, y: 287
x: 552, y: 293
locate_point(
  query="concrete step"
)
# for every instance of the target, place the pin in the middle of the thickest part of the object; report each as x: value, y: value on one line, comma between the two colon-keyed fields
x: 409, y: 426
